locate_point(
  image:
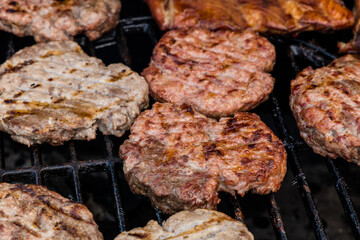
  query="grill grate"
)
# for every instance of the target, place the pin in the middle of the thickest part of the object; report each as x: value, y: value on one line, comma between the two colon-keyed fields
x: 132, y: 43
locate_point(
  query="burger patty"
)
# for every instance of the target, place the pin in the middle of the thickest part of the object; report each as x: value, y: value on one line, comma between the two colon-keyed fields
x: 34, y: 212
x: 273, y: 16
x: 53, y: 92
x: 181, y: 158
x: 192, y: 225
x: 326, y: 105
x: 58, y: 19
x: 217, y: 72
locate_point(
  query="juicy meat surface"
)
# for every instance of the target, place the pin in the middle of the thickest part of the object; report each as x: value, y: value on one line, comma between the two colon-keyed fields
x: 191, y: 225
x: 34, y: 212
x: 58, y: 19
x: 354, y: 45
x: 53, y: 92
x: 325, y: 103
x: 217, y: 72
x: 274, y: 16
x: 181, y: 158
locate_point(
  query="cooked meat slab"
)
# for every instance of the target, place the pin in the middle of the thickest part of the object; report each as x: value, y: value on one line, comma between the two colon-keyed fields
x: 354, y: 45
x: 181, y: 159
x: 274, y: 16
x: 217, y: 72
x: 34, y: 212
x: 53, y: 92
x: 325, y: 103
x: 192, y: 225
x: 58, y: 19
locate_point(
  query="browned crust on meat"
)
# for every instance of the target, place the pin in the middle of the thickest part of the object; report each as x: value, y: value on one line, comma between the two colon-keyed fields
x: 198, y: 224
x: 354, y: 45
x: 34, y: 212
x: 274, y: 16
x: 217, y: 72
x: 181, y: 159
x: 326, y: 105
x: 59, y: 20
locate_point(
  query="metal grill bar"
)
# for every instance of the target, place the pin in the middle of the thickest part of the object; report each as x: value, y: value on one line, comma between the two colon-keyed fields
x: 277, y: 222
x: 344, y: 197
x: 36, y: 163
x: 300, y: 177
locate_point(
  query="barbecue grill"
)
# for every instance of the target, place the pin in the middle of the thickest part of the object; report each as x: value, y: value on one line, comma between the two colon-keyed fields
x: 318, y: 199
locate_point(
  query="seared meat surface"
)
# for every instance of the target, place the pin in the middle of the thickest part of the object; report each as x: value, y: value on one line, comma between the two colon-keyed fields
x: 191, y: 225
x: 53, y: 92
x: 274, y: 16
x: 325, y: 103
x: 217, y: 72
x: 354, y: 45
x: 181, y: 159
x: 58, y: 19
x: 34, y: 212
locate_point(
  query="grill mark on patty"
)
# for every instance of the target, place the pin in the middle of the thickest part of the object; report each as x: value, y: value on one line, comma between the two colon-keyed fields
x: 199, y: 88
x: 226, y: 88
x: 24, y: 228
x: 80, y: 81
x: 139, y: 235
x: 9, y: 101
x: 18, y: 67
x: 125, y: 97
x: 33, y: 211
x: 49, y: 109
x: 228, y: 54
x: 85, y: 70
x: 193, y: 60
x: 201, y: 227
x: 42, y: 199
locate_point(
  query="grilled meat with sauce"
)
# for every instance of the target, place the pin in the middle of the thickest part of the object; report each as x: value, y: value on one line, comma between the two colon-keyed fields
x: 191, y: 225
x: 217, y: 72
x: 273, y: 16
x: 354, y: 45
x: 58, y: 19
x: 34, y: 212
x: 326, y: 105
x: 181, y: 158
x: 53, y: 92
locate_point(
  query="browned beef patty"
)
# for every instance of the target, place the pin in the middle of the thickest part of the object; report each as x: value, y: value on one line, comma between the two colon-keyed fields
x: 181, y: 158
x: 53, y: 92
x: 191, y: 225
x: 58, y: 20
x: 326, y: 105
x: 217, y: 72
x: 34, y: 212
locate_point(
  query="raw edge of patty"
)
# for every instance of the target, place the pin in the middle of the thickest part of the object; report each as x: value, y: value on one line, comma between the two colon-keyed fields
x: 181, y: 159
x: 325, y: 104
x: 53, y: 92
x: 217, y: 72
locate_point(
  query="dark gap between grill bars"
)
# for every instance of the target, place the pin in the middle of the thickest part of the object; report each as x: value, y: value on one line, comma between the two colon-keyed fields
x: 74, y: 169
